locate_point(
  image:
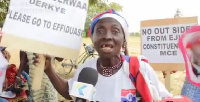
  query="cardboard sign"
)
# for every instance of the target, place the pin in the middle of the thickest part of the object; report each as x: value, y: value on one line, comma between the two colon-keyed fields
x: 160, y: 42
x: 52, y: 27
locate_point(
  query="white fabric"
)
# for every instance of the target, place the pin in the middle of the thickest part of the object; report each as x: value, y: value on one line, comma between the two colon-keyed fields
x: 108, y: 89
x: 150, y: 75
x: 3, y: 67
x: 197, y: 67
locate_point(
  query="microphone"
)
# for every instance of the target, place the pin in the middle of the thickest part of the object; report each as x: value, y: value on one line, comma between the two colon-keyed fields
x: 83, y: 89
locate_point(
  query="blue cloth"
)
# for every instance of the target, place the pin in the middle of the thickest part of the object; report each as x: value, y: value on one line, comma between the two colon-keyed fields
x: 1, y: 48
x: 3, y: 100
x: 26, y: 76
x: 191, y: 91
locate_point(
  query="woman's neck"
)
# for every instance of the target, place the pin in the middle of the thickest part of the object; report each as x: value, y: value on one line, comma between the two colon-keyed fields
x: 110, y: 62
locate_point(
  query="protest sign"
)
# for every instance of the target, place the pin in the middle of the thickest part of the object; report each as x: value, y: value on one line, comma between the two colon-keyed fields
x: 159, y: 39
x: 159, y: 43
x: 52, y: 27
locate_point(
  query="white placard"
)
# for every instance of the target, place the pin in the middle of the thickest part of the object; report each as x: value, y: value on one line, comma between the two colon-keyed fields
x: 160, y: 43
x: 52, y: 27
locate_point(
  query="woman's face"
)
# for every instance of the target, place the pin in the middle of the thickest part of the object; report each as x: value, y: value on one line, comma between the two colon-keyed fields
x: 108, y: 37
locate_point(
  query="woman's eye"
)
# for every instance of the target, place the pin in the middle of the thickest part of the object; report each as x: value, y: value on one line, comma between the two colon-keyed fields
x: 100, y: 31
x: 115, y: 31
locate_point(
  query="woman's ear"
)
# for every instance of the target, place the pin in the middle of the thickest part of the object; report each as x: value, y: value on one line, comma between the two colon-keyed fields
x: 124, y: 44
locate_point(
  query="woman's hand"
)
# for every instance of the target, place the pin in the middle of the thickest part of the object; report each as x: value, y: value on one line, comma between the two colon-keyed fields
x: 37, y: 60
x: 47, y: 62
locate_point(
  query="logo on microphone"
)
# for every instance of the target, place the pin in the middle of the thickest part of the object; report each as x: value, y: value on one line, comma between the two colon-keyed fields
x: 80, y: 88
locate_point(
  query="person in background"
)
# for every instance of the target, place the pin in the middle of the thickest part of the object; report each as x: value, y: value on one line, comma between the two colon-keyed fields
x: 19, y: 89
x: 189, y: 44
x: 3, y: 67
x: 47, y: 93
x: 3, y: 64
x: 109, y: 32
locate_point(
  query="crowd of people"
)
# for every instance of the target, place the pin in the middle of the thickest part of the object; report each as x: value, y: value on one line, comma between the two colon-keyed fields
x: 109, y: 32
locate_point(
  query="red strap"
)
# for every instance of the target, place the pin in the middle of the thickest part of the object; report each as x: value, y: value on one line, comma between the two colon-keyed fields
x: 134, y: 66
x: 141, y: 84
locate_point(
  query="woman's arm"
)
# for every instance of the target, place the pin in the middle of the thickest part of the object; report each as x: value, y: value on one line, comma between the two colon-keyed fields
x: 60, y: 84
x: 23, y: 63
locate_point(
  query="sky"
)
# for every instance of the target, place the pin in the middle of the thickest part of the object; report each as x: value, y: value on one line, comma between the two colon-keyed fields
x: 137, y: 10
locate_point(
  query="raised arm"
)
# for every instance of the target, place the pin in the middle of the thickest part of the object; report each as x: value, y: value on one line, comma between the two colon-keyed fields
x: 60, y: 84
x: 23, y: 63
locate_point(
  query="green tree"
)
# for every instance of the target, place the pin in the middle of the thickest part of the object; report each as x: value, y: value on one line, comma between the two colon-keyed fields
x: 96, y: 8
x: 3, y: 9
x: 135, y: 34
x: 178, y: 13
x: 94, y: 2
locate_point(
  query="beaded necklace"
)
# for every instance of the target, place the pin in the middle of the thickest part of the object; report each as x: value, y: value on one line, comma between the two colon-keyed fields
x: 108, y: 71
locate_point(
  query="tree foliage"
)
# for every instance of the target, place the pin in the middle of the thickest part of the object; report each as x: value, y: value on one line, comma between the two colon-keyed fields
x: 3, y: 9
x: 178, y: 13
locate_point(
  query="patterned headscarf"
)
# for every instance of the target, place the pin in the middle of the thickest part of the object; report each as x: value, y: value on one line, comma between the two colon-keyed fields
x: 110, y: 14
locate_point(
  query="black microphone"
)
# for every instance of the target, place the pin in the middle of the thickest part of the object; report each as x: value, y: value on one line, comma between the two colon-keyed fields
x: 89, y: 76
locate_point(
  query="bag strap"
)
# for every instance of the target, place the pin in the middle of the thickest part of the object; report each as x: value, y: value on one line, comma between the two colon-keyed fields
x: 138, y: 80
x: 134, y: 70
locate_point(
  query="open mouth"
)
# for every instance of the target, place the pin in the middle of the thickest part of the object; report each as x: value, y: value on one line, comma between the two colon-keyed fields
x: 107, y: 46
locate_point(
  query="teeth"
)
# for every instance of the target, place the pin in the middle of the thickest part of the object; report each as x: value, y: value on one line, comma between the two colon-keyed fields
x: 106, y: 45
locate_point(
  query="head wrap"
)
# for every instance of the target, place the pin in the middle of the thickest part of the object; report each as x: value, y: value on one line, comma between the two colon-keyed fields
x: 110, y: 14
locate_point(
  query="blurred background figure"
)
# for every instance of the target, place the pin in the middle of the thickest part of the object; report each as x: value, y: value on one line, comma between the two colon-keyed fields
x: 189, y: 43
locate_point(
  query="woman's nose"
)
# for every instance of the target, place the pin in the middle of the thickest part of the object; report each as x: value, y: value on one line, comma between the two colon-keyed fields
x: 108, y: 35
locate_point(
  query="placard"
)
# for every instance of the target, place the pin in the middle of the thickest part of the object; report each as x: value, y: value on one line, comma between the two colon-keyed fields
x: 52, y: 27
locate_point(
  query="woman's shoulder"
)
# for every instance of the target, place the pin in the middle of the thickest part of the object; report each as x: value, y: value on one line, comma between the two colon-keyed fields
x: 91, y: 63
x: 90, y: 60
x: 144, y: 63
